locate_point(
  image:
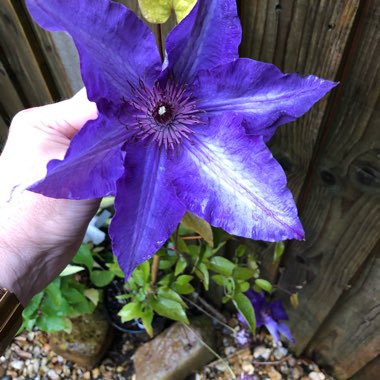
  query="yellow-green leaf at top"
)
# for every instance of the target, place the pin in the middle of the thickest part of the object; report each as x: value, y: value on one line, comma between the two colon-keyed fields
x: 182, y: 8
x: 156, y: 11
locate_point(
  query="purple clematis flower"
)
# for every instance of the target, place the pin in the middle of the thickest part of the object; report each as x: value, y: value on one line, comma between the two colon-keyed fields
x: 270, y: 315
x: 185, y: 135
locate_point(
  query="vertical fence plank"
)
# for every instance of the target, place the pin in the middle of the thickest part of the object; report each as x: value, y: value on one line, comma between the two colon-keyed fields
x: 342, y: 210
x: 46, y: 54
x: 369, y: 372
x: 304, y: 36
x: 20, y: 58
x: 3, y: 133
x: 9, y: 99
x: 353, y: 329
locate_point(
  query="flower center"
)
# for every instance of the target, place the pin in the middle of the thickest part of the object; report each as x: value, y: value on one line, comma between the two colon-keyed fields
x: 165, y: 116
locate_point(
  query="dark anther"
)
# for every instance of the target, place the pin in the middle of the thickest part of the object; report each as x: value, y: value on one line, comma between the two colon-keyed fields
x: 163, y: 113
x: 328, y: 178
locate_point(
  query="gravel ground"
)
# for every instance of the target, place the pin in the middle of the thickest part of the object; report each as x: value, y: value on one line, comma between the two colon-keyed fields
x: 30, y: 357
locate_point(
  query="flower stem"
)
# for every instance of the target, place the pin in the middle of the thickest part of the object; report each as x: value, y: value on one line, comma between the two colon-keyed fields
x: 154, y: 272
x: 159, y: 41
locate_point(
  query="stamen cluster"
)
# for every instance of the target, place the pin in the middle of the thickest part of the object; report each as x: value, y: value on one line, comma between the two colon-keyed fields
x: 165, y: 116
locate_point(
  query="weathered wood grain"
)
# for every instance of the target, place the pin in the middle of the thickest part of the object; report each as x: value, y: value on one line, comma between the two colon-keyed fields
x: 304, y: 36
x: 342, y: 210
x: 350, y: 337
x: 3, y: 133
x: 46, y: 54
x: 15, y: 48
x: 10, y: 102
x: 369, y: 372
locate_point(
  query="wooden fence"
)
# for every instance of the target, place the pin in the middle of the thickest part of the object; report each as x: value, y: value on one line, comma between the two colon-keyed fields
x: 331, y: 156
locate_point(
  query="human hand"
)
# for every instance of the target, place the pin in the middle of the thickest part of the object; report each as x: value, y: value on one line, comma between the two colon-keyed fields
x: 39, y: 235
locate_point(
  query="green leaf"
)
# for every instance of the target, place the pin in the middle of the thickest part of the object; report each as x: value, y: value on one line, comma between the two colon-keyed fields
x: 53, y: 290
x: 220, y: 279
x: 294, y: 300
x: 71, y: 269
x: 240, y: 251
x: 107, y: 202
x: 244, y: 306
x: 182, y: 284
x: 130, y: 311
x: 147, y: 319
x: 101, y: 278
x: 279, y: 249
x: 242, y: 273
x: 167, y: 263
x: 182, y: 8
x: 52, y: 324
x: 200, y: 226
x: 33, y: 306
x: 145, y: 268
x: 156, y: 11
x: 93, y: 295
x: 171, y: 295
x: 264, y: 284
x: 244, y: 286
x: 182, y: 246
x: 169, y: 309
x: 203, y: 274
x: 221, y: 265
x: 115, y: 268
x: 84, y: 257
x: 180, y: 266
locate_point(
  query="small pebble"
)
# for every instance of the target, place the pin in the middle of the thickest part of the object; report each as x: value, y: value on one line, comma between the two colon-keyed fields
x: 52, y: 375
x: 261, y: 352
x: 229, y: 350
x: 316, y: 376
x: 87, y: 375
x: 248, y: 367
x: 280, y: 352
x: 17, y: 364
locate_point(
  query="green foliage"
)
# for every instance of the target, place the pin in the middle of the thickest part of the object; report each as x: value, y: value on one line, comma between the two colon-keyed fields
x: 64, y: 298
x: 158, y: 11
x: 188, y: 259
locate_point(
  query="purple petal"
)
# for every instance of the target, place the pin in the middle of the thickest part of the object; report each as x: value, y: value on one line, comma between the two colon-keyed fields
x: 93, y: 163
x: 147, y: 210
x: 271, y: 325
x: 207, y: 37
x: 278, y: 311
x: 285, y: 331
x: 114, y: 45
x: 260, y: 92
x: 232, y: 181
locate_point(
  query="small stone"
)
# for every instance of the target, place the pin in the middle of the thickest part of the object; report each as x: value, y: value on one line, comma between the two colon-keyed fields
x: 88, y: 341
x: 280, y: 352
x: 248, y: 368
x: 119, y: 369
x: 274, y: 374
x: 87, y: 375
x: 95, y: 373
x: 297, y: 372
x: 316, y: 376
x: 30, y: 336
x: 52, y: 375
x: 261, y: 352
x: 17, y: 364
x: 176, y: 352
x: 229, y: 350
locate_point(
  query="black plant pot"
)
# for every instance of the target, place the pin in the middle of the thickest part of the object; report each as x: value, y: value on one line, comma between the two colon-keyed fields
x: 134, y: 328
